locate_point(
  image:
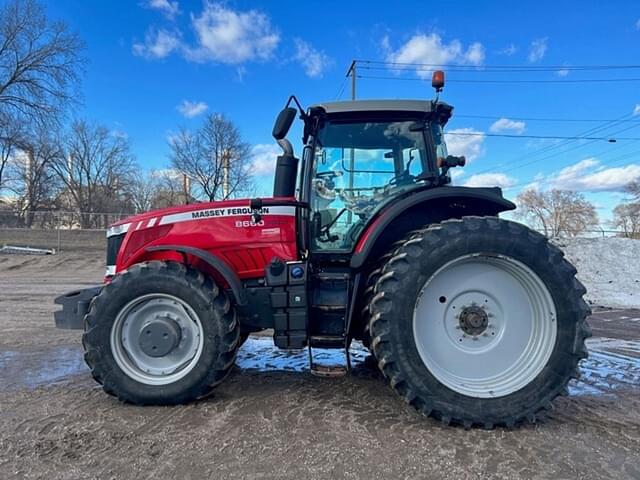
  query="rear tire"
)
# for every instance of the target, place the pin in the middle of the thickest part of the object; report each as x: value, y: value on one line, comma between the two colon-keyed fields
x: 174, y: 304
x: 495, y: 378
x: 369, y: 290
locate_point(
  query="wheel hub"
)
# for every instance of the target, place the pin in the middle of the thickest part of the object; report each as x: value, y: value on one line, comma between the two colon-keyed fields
x: 473, y: 320
x: 159, y: 336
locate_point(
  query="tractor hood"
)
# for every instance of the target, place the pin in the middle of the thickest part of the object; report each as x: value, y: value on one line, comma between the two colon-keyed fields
x: 178, y: 213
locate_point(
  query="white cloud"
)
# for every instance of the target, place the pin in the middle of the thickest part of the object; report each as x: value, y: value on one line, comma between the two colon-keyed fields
x: 119, y: 134
x: 509, y: 50
x: 636, y: 110
x: 563, y: 72
x: 168, y: 8
x: 264, y: 157
x: 468, y: 145
x: 490, y: 180
x: 232, y: 37
x: 457, y: 173
x: 507, y: 125
x: 589, y: 175
x: 430, y: 49
x: 314, y: 62
x: 191, y: 109
x: 537, y: 49
x: 157, y: 44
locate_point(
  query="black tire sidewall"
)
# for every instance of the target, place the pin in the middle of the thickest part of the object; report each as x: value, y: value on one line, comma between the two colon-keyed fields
x: 531, y: 250
x: 132, y: 285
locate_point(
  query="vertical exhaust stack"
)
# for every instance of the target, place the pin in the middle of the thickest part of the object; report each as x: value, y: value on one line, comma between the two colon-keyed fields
x: 286, y: 174
x: 284, y: 184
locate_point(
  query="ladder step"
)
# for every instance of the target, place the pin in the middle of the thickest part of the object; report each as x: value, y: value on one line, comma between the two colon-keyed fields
x: 330, y: 308
x: 328, y: 371
x: 326, y: 341
x: 331, y: 276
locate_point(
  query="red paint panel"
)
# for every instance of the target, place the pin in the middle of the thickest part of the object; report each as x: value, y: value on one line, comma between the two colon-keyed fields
x: 224, y: 229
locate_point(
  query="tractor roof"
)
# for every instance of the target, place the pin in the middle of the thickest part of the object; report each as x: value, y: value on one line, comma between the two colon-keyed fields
x: 367, y: 109
x: 417, y: 106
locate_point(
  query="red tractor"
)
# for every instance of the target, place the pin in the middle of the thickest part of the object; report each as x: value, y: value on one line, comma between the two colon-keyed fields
x: 474, y: 320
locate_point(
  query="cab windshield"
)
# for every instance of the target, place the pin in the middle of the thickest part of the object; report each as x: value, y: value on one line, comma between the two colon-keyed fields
x: 358, y: 167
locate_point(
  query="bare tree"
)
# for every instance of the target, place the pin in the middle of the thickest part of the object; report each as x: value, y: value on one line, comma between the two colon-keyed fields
x: 633, y: 188
x: 158, y: 189
x: 174, y: 188
x: 626, y: 217
x: 556, y: 212
x: 11, y: 141
x: 96, y: 170
x: 142, y: 191
x: 214, y: 157
x: 39, y: 63
x: 35, y: 181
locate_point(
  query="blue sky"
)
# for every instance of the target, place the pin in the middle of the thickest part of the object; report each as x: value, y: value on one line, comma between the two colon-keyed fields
x: 156, y: 65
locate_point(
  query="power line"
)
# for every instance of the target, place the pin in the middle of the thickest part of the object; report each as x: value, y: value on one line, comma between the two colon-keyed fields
x: 482, y: 69
x: 584, y: 80
x: 540, y: 137
x: 386, y: 64
x: 561, y: 152
x: 591, y: 131
x: 543, y: 119
x: 609, y: 163
x: 342, y: 87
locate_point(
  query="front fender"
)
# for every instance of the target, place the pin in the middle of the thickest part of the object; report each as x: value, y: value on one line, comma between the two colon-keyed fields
x: 214, y: 262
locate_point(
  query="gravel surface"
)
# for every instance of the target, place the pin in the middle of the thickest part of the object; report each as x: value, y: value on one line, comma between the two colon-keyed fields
x: 272, y: 419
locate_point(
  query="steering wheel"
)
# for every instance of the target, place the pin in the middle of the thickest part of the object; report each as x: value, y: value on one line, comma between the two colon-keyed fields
x: 405, y: 176
x: 329, y: 173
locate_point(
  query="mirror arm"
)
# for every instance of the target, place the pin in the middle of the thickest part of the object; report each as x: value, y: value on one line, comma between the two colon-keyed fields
x: 303, y: 115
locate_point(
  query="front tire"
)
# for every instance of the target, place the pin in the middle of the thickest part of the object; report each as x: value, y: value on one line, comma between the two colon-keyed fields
x: 160, y: 333
x: 479, y: 321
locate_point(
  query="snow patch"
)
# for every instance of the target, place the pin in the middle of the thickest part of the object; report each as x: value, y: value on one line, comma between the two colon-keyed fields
x: 608, y: 267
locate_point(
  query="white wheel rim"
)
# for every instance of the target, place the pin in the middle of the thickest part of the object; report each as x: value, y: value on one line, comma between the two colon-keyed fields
x: 128, y: 326
x: 519, y: 332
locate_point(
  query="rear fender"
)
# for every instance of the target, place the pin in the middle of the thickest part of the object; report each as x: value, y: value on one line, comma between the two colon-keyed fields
x: 422, y: 208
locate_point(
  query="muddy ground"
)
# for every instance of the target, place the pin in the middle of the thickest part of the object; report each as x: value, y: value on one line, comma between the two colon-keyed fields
x: 272, y: 419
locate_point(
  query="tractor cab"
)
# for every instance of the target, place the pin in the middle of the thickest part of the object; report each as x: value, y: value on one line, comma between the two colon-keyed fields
x: 358, y: 157
x: 363, y: 155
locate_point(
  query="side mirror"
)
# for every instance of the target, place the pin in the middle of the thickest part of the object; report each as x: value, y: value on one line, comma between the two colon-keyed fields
x: 283, y: 123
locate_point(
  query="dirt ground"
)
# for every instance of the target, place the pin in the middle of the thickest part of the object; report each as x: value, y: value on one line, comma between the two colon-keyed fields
x: 272, y: 419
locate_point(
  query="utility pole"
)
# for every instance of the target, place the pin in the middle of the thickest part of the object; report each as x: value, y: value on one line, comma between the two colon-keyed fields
x: 225, y: 173
x: 352, y: 72
x: 186, y: 187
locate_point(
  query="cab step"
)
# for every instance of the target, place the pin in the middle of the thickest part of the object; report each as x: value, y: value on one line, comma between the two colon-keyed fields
x: 322, y: 370
x: 327, y: 341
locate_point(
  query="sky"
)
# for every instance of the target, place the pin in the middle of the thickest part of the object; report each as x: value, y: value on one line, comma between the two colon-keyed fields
x: 157, y: 65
